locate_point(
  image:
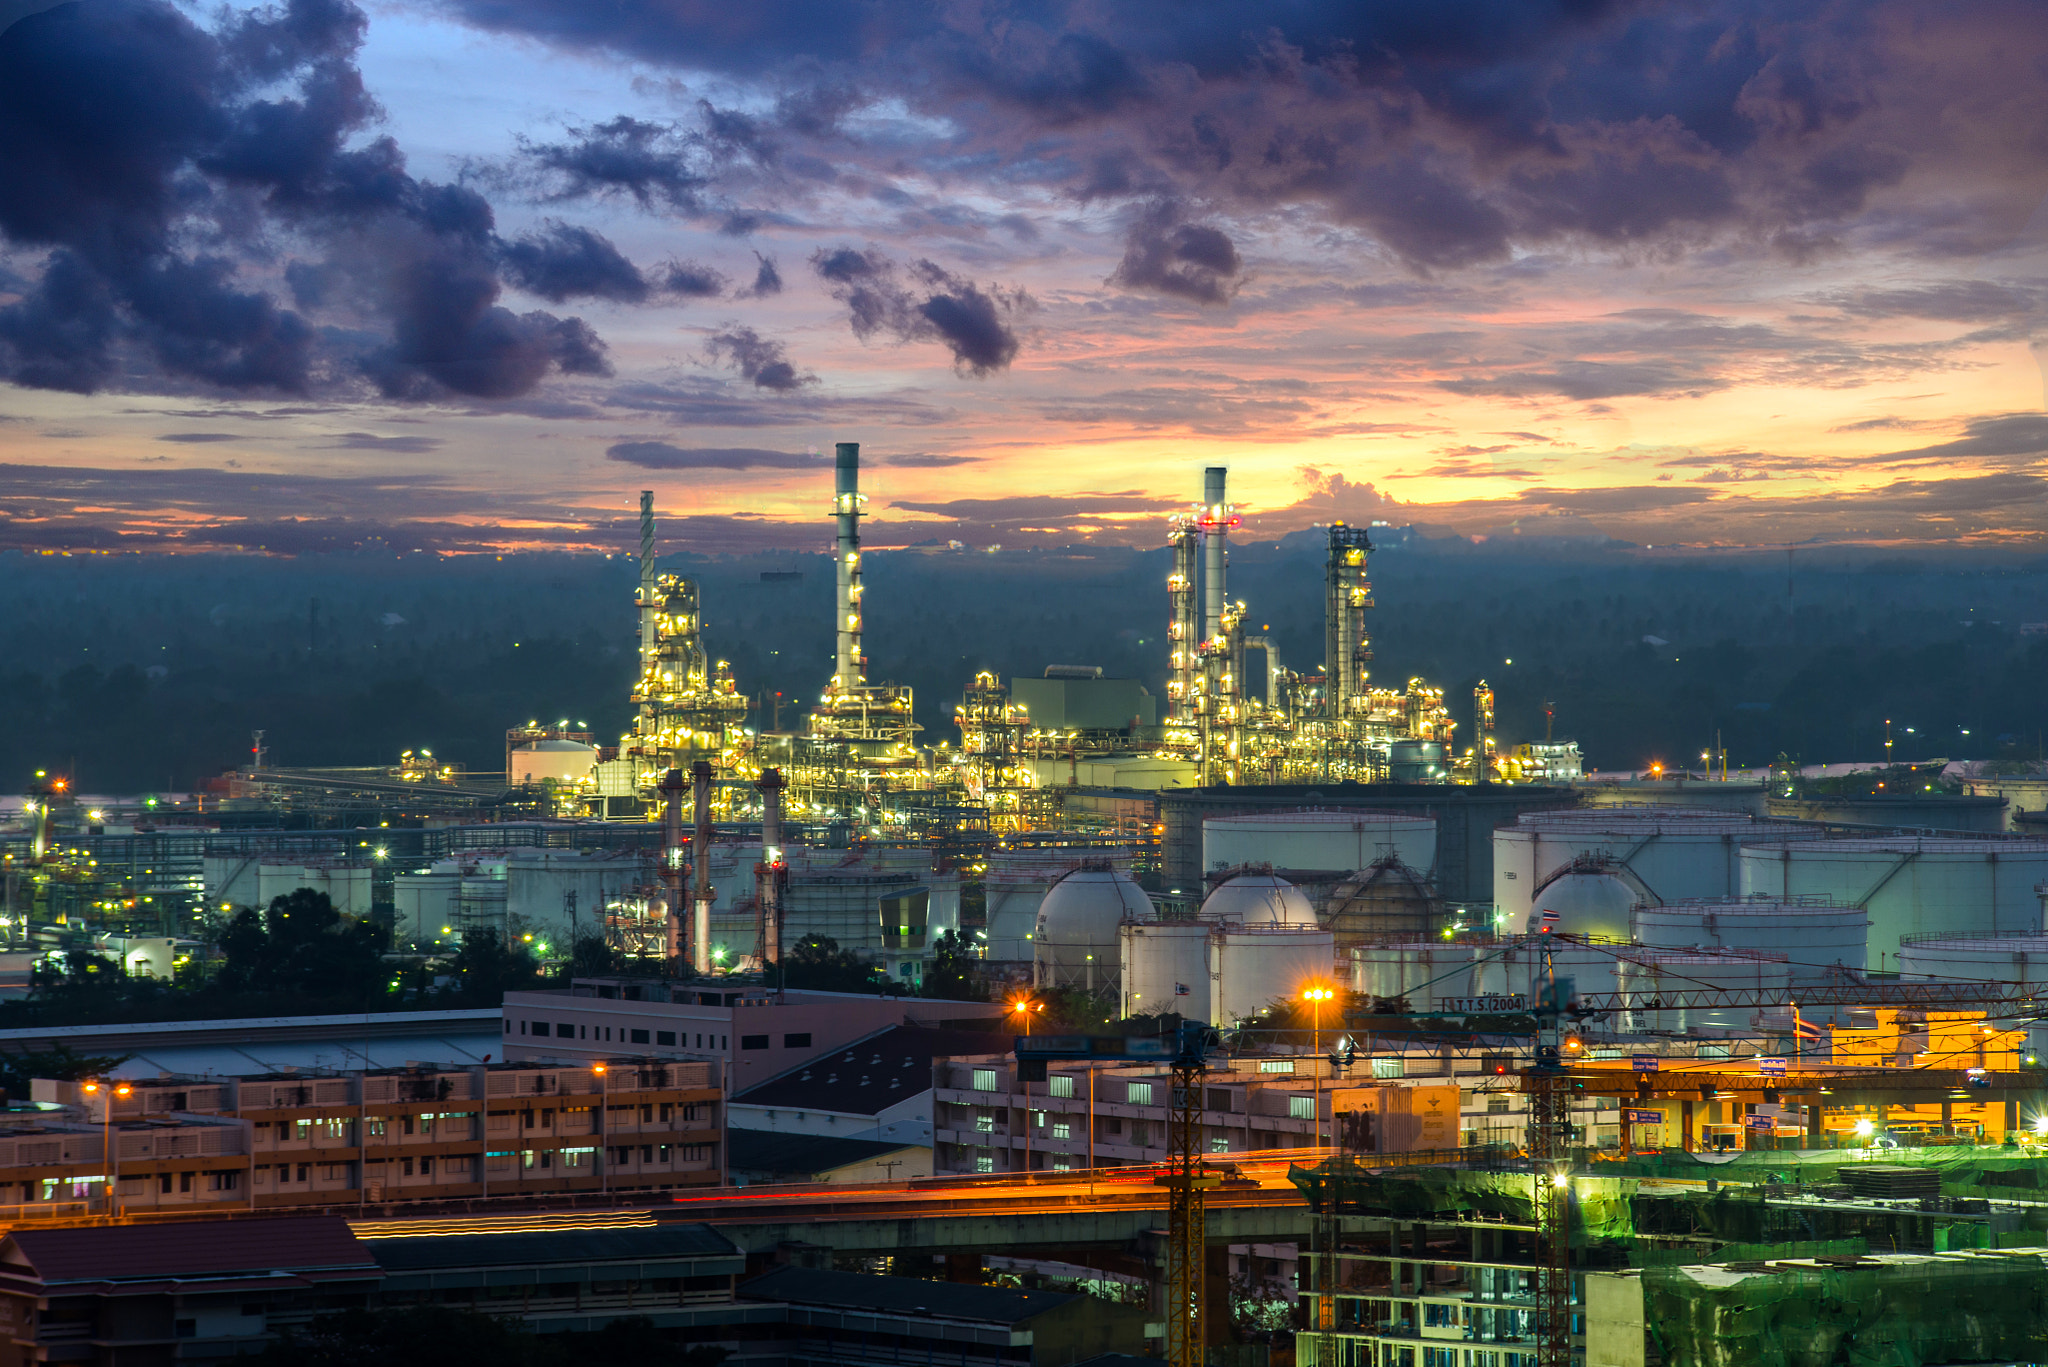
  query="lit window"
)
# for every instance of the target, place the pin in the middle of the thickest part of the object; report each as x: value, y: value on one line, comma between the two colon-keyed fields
x: 1138, y: 1093
x: 984, y: 1079
x: 1059, y: 1086
x: 1276, y: 1065
x: 1301, y: 1107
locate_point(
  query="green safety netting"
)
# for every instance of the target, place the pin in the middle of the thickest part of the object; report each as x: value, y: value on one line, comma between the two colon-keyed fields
x: 1980, y: 1309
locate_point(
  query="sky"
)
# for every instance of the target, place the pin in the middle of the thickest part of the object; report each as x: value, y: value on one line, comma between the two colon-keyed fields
x: 466, y: 275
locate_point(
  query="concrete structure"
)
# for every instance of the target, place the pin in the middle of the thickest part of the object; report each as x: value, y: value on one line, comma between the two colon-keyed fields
x: 1165, y: 967
x: 1676, y: 853
x: 1252, y: 967
x: 1909, y: 885
x: 1680, y: 790
x: 2021, y: 960
x: 1932, y: 811
x: 1063, y: 702
x: 2026, y: 795
x: 755, y: 1033
x: 1311, y: 838
x: 1814, y: 935
x: 876, y: 1088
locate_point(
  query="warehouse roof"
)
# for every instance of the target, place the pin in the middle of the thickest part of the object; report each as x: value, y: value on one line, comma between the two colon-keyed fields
x: 870, y: 1075
x: 903, y: 1295
x: 803, y: 1155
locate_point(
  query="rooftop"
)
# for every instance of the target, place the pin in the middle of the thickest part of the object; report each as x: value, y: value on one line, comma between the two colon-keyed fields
x: 214, y: 1248
x: 802, y: 1154
x: 902, y: 1295
x: 872, y: 1074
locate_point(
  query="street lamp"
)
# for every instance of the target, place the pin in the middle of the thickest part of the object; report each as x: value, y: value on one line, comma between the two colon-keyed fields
x: 1024, y: 1006
x: 1315, y: 995
x: 604, y: 1152
x: 94, y: 1087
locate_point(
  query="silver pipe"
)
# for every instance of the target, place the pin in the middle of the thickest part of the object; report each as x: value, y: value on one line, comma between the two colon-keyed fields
x: 700, y: 851
x: 671, y: 790
x: 768, y: 873
x: 846, y: 507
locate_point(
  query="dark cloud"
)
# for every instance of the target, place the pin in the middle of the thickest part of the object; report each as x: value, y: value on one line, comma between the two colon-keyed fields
x: 1590, y: 380
x: 1999, y: 436
x: 1963, y: 301
x: 1024, y: 509
x: 660, y: 455
x: 563, y: 261
x: 194, y: 152
x: 977, y: 325
x: 368, y: 441
x: 1623, y: 500
x: 761, y: 360
x: 693, y: 280
x: 650, y: 162
x: 197, y: 438
x: 1187, y: 260
x: 767, y: 279
x: 921, y: 461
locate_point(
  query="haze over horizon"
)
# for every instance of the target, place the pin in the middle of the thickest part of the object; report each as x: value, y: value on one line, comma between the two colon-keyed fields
x: 468, y: 274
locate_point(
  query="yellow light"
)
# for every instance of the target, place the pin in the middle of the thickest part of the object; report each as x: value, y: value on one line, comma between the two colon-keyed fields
x: 597, y: 1067
x: 1864, y: 1129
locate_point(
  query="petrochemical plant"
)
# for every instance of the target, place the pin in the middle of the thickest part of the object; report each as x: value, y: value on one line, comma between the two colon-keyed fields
x: 1201, y: 853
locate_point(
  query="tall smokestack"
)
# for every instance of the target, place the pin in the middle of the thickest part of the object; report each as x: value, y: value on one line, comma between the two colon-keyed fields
x: 768, y: 873
x: 700, y: 850
x: 1215, y: 528
x: 846, y: 507
x: 671, y: 790
x: 647, y: 603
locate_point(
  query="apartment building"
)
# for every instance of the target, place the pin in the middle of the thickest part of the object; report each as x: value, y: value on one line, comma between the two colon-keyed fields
x: 368, y: 1137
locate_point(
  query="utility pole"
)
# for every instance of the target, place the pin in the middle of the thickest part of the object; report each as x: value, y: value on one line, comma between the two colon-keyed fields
x: 1187, y: 1184
x: 1549, y: 1159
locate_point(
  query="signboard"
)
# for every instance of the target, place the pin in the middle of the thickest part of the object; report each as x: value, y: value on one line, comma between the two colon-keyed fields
x: 1771, y: 1067
x: 1645, y: 1063
x: 1762, y: 1122
x: 1646, y: 1117
x: 1497, y: 1004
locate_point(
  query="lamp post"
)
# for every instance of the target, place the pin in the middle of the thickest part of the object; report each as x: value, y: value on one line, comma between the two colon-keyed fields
x: 106, y: 1092
x: 604, y: 1153
x: 1315, y: 995
x: 1024, y: 1006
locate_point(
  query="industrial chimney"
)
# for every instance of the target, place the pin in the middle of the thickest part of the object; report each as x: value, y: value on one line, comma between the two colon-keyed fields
x: 700, y: 850
x: 1216, y: 533
x: 671, y: 790
x: 846, y: 507
x: 768, y: 874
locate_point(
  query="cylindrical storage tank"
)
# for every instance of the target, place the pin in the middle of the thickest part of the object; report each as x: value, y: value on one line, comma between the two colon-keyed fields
x: 2021, y: 960
x: 1415, y: 761
x: 1650, y: 975
x: 1951, y: 813
x: 480, y: 905
x: 1254, y: 966
x: 1315, y: 839
x: 1387, y: 901
x: 1076, y: 943
x: 1425, y: 971
x: 1814, y: 936
x: 425, y: 907
x: 1747, y: 798
x: 1517, y: 967
x: 347, y: 885
x: 1165, y: 968
x: 1257, y: 899
x: 564, y: 761
x: 1909, y: 885
x: 1677, y: 852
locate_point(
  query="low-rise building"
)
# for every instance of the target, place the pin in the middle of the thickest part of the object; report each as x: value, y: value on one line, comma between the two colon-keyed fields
x: 363, y: 1138
x: 878, y: 1087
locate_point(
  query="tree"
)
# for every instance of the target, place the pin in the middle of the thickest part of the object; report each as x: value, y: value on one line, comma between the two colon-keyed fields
x: 591, y: 957
x: 19, y: 1069
x: 817, y: 963
x: 486, y: 967
x: 302, y: 944
x: 954, y: 973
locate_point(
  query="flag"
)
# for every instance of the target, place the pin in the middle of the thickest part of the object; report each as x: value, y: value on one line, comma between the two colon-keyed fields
x: 1180, y: 989
x: 1804, y: 1029
x: 1550, y: 920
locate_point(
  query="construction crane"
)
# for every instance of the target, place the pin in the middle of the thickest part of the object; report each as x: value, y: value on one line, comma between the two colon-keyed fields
x: 1187, y: 1179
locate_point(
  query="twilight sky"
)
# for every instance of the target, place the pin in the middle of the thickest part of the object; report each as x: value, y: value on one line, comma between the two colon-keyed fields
x: 470, y: 273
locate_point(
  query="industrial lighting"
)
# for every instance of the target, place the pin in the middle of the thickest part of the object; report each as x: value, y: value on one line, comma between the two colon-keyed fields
x: 2041, y: 1125
x: 1865, y: 1129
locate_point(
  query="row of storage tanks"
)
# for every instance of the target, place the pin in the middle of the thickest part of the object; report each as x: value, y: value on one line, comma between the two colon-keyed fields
x: 1656, y: 898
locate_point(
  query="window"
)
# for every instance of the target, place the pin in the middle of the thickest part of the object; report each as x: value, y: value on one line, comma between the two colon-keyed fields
x: 639, y: 1036
x: 1062, y: 1163
x: 565, y: 1029
x: 1138, y: 1093
x: 405, y: 1167
x: 1038, y: 1119
x: 1390, y: 1067
x: 305, y: 1172
x: 1062, y: 1129
x: 798, y: 1040
x: 667, y: 1037
x: 985, y: 1122
x: 984, y: 1162
x: 1301, y: 1107
x: 1219, y: 1143
x: 1059, y: 1086
x: 984, y: 1079
x: 427, y: 1167
x: 753, y: 1041
x: 185, y: 1329
x: 1276, y: 1065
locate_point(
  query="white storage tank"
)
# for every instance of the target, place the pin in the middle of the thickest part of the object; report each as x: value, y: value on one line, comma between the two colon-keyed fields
x: 564, y: 761
x: 480, y: 905
x: 1076, y: 942
x: 1165, y: 968
x: 1910, y: 885
x: 1499, y: 970
x: 2021, y: 960
x: 1318, y: 839
x: 1255, y: 966
x: 1012, y: 888
x: 1257, y: 899
x: 1650, y: 975
x: 346, y: 884
x: 1677, y: 852
x: 425, y: 907
x: 1813, y: 934
x: 1425, y: 971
